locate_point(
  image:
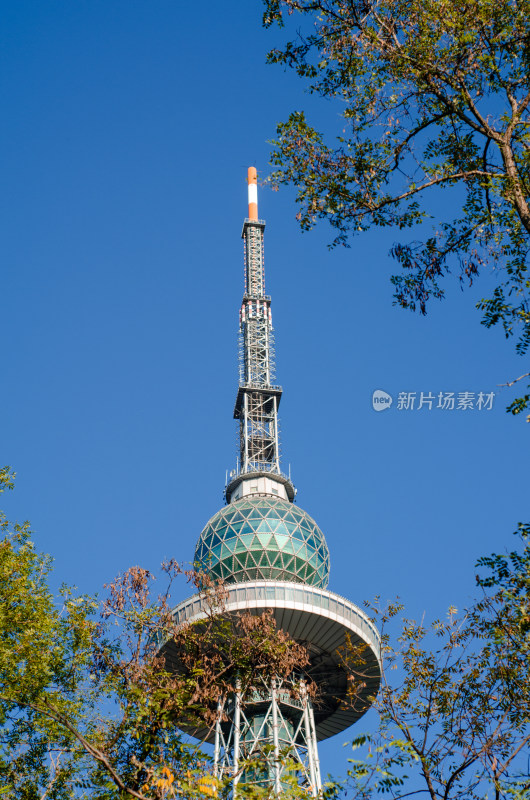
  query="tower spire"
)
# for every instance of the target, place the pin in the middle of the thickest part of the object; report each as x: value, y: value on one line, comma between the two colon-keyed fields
x: 258, y: 397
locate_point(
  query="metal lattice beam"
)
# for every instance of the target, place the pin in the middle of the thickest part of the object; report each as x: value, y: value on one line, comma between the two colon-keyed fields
x: 258, y: 737
x: 257, y: 404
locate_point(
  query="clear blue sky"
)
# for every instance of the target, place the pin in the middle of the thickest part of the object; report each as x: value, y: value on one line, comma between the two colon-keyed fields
x: 127, y: 130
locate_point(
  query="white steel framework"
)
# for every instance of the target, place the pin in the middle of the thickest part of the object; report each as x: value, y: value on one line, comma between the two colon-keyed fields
x: 275, y: 728
x: 257, y: 398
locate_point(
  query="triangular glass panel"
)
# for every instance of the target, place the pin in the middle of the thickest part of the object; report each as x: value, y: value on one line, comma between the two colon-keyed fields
x: 236, y: 526
x: 228, y: 548
x: 247, y: 527
x: 281, y: 540
x: 215, y: 539
x: 290, y: 546
x: 238, y: 546
x: 251, y: 560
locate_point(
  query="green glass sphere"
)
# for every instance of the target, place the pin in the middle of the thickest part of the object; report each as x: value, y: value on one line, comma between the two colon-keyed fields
x: 263, y: 538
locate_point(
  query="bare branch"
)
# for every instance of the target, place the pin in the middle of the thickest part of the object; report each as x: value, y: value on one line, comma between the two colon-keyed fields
x: 511, y: 383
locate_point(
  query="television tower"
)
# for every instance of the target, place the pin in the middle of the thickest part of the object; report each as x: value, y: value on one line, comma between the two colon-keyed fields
x: 271, y: 554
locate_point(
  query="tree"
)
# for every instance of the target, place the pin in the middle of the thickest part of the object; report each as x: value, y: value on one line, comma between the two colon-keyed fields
x: 435, y: 99
x: 454, y: 708
x: 41, y: 655
x: 87, y: 707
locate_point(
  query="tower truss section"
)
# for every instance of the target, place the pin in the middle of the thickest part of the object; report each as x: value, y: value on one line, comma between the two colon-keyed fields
x: 258, y: 397
x: 277, y: 719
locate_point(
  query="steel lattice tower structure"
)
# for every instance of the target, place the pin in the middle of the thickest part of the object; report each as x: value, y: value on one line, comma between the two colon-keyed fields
x: 272, y: 555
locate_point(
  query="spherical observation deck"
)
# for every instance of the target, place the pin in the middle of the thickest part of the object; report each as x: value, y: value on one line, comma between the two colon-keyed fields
x: 263, y: 538
x: 325, y: 623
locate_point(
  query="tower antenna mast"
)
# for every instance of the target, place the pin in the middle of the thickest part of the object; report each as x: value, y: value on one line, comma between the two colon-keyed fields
x: 258, y: 397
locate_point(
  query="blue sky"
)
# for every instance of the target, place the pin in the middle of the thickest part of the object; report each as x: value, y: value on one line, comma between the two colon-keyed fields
x: 127, y: 130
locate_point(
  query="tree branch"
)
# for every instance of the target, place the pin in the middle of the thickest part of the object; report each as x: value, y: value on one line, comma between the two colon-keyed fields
x: 93, y: 751
x: 511, y: 383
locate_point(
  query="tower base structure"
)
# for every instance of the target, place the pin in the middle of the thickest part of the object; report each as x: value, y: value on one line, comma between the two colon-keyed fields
x: 275, y: 720
x: 277, y: 727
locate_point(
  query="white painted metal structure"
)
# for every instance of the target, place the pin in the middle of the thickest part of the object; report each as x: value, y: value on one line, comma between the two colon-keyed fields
x: 324, y: 622
x: 264, y: 539
x: 276, y: 719
x: 258, y: 396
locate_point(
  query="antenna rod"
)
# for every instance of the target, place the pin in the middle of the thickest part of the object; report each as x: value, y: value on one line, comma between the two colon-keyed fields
x: 252, y: 180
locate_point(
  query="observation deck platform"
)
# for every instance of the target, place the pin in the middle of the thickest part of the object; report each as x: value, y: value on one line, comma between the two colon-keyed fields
x: 320, y: 620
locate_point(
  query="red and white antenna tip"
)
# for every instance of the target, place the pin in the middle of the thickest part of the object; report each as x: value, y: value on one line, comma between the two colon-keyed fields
x: 252, y: 180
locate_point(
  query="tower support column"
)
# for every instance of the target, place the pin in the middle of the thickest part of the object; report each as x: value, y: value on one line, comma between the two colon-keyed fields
x: 217, y: 742
x: 236, y: 734
x: 312, y: 753
x: 275, y: 737
x: 313, y: 739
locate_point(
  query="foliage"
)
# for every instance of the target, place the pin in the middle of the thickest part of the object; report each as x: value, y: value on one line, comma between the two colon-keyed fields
x: 454, y: 709
x: 87, y: 706
x: 435, y: 97
x: 42, y: 653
